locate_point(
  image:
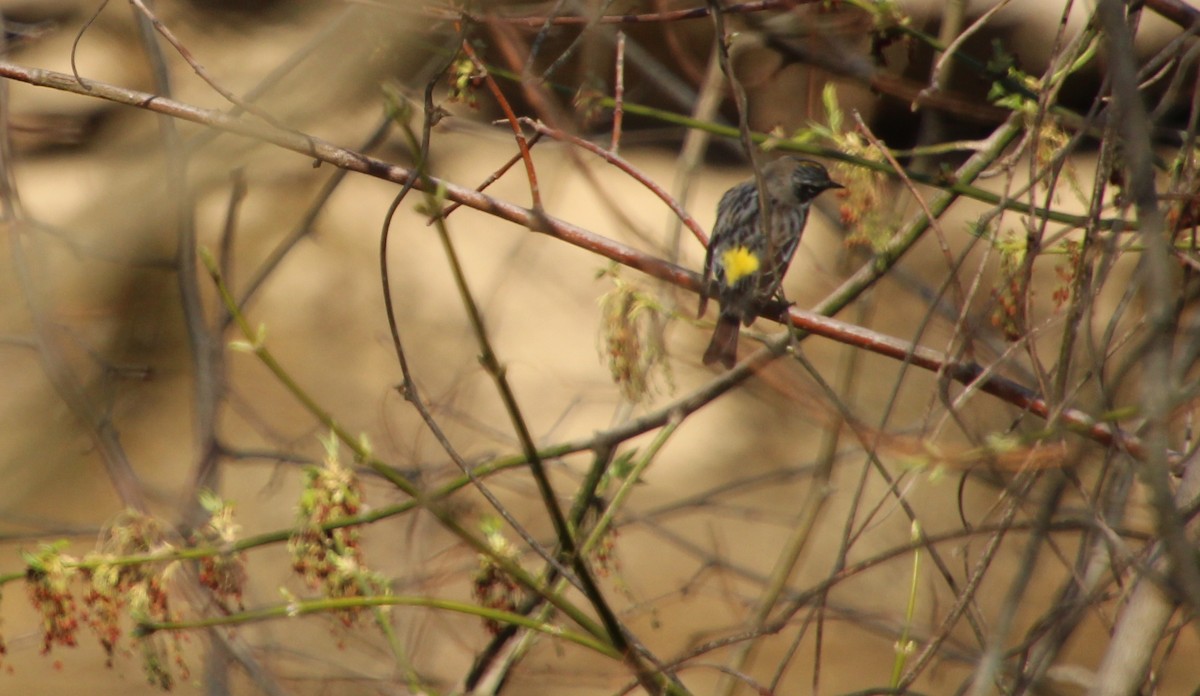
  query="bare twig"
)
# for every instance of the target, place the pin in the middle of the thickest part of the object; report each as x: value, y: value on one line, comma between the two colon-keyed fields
x: 511, y: 116
x: 197, y: 67
x: 493, y: 177
x: 533, y: 21
x: 618, y: 93
x: 611, y: 157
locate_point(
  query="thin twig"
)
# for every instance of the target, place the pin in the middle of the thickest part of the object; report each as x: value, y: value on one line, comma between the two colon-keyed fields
x: 624, y: 165
x: 198, y: 68
x: 939, y: 233
x: 533, y: 21
x: 618, y: 93
x: 308, y: 220
x: 493, y: 177
x: 511, y: 116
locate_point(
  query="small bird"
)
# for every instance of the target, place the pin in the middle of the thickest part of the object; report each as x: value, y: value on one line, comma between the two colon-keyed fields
x: 748, y: 263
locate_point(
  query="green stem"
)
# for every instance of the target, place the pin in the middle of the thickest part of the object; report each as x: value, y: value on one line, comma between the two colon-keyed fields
x: 258, y: 347
x: 318, y: 606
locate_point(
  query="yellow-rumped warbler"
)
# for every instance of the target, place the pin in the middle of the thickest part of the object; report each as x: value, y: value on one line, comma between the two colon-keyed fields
x: 748, y: 264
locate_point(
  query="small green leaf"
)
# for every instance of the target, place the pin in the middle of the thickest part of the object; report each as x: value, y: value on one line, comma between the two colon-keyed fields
x: 330, y: 444
x: 210, y: 501
x: 833, y: 112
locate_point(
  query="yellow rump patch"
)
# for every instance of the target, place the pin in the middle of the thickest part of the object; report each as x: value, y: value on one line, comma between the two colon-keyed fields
x: 738, y: 262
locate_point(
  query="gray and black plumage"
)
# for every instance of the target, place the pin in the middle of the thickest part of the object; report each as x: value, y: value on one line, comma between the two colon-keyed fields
x: 748, y: 264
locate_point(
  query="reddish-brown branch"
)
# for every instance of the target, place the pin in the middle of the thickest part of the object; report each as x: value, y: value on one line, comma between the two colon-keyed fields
x: 494, y: 176
x: 1176, y: 11
x: 515, y: 53
x: 539, y: 221
x: 537, y: 22
x: 618, y: 92
x: 199, y: 69
x: 511, y: 116
x: 612, y: 158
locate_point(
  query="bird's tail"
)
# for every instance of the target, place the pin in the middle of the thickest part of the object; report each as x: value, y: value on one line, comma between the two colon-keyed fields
x: 723, y: 346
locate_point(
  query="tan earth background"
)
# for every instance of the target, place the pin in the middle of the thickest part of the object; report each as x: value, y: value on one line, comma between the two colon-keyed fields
x: 813, y: 467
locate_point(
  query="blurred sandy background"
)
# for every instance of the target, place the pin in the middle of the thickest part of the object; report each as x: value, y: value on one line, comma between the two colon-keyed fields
x: 700, y: 533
